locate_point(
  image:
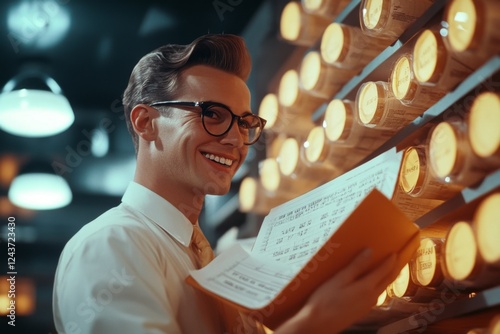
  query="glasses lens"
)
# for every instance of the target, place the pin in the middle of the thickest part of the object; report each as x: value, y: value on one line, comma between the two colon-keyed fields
x: 217, y: 121
x: 250, y: 126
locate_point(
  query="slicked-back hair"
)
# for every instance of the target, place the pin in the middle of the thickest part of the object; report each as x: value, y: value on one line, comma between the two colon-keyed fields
x: 156, y: 75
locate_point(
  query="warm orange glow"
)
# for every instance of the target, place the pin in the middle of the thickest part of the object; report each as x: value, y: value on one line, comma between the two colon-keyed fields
x: 9, y: 166
x: 288, y: 158
x: 22, y: 293
x: 269, y: 109
x: 484, y: 124
x: 315, y: 144
x: 462, y: 20
x: 487, y: 227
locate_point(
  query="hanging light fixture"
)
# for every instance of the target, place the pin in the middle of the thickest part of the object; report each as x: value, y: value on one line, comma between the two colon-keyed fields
x: 34, y: 112
x: 37, y: 187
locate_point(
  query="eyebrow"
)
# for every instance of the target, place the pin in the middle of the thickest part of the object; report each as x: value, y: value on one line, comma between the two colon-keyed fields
x: 245, y: 113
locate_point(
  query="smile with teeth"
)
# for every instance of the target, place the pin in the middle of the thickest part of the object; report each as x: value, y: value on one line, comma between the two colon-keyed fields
x: 221, y: 160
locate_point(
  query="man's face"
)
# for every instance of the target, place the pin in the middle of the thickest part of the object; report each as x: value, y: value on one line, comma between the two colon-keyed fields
x: 186, y: 152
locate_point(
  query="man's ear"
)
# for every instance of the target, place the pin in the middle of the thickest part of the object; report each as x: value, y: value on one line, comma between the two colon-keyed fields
x: 143, y: 118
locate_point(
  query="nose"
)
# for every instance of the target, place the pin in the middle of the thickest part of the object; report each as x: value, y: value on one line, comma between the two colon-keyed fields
x: 233, y: 136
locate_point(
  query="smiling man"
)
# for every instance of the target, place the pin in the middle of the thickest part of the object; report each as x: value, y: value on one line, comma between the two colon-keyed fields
x: 188, y: 112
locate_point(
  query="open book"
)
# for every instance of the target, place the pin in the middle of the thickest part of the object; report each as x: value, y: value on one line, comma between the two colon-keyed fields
x: 307, y: 240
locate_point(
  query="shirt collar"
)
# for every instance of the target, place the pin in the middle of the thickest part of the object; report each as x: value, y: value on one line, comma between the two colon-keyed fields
x: 159, y: 210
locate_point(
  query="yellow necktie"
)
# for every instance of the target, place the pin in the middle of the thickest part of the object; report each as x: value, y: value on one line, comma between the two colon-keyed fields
x: 234, y: 322
x: 203, y: 253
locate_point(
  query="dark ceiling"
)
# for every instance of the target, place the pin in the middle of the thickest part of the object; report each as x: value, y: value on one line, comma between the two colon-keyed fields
x: 91, y: 61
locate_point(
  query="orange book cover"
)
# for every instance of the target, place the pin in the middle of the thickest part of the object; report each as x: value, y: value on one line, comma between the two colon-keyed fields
x: 375, y: 223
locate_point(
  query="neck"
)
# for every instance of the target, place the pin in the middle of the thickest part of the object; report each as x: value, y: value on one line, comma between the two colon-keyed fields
x: 189, y: 203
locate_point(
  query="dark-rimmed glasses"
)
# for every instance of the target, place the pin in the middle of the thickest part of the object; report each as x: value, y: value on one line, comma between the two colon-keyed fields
x: 217, y: 119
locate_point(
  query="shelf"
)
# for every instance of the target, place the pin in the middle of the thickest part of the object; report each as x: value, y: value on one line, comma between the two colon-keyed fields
x: 405, y: 316
x: 440, y: 309
x: 409, y: 134
x: 377, y: 69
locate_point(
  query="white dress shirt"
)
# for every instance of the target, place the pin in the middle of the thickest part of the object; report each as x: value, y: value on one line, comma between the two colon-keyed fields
x: 124, y: 273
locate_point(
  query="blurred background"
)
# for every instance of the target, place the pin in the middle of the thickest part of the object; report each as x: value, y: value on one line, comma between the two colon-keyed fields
x: 87, y: 49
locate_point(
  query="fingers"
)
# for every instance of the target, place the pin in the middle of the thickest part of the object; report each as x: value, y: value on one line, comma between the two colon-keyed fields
x: 385, y: 273
x: 358, y: 266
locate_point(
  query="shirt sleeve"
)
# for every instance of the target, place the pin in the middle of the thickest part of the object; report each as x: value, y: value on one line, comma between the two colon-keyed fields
x: 112, y: 282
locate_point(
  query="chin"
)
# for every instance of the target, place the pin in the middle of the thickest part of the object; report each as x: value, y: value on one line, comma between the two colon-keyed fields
x: 219, y: 184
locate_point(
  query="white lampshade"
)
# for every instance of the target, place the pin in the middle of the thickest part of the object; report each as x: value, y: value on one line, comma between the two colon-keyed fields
x: 40, y: 191
x: 34, y: 113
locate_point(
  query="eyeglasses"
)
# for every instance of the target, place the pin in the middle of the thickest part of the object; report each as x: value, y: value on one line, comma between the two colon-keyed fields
x: 217, y: 119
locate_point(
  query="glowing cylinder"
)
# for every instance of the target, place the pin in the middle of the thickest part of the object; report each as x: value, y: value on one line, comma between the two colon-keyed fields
x: 390, y: 18
x: 425, y: 266
x: 321, y: 79
x: 254, y: 198
x: 404, y: 288
x: 291, y: 164
x: 474, y: 29
x: 282, y: 121
x: 406, y: 88
x: 327, y: 8
x: 416, y: 180
x: 299, y: 27
x: 486, y: 224
x: 462, y: 261
x: 279, y: 185
x: 343, y: 128
x: 347, y: 47
x: 450, y: 157
x: 434, y: 65
x: 377, y: 107
x: 484, y: 127
x: 318, y: 151
x: 293, y: 98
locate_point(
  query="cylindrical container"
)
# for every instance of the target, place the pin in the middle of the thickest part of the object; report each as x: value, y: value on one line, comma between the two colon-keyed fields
x: 433, y: 65
x: 473, y: 29
x: 416, y: 180
x: 406, y: 87
x: 281, y: 121
x: 291, y: 164
x: 343, y: 128
x: 383, y: 301
x: 254, y: 198
x: 425, y: 266
x: 318, y: 151
x: 404, y: 288
x: 390, y: 18
x: 279, y: 185
x: 494, y: 326
x: 484, y: 127
x: 326, y: 8
x: 295, y: 99
x: 450, y: 155
x: 321, y: 79
x: 347, y: 47
x: 486, y: 224
x: 462, y: 261
x: 377, y: 107
x: 299, y: 27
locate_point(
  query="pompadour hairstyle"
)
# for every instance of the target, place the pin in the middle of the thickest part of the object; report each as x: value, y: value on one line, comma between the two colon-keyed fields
x: 155, y: 77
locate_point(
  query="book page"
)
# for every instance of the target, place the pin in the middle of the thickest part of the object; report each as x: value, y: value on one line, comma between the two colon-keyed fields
x: 242, y: 279
x: 292, y: 232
